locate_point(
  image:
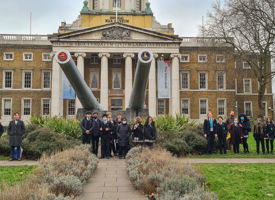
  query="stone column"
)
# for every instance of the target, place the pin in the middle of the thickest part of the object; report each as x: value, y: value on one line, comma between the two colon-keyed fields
x: 128, y: 76
x: 175, y: 93
x: 57, y: 100
x: 104, y: 80
x: 80, y: 65
x: 153, y: 89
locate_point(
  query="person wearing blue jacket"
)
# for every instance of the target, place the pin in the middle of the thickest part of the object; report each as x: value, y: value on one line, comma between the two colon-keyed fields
x: 245, y: 125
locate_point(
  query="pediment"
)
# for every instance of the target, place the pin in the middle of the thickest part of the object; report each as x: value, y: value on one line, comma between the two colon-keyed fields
x: 116, y: 31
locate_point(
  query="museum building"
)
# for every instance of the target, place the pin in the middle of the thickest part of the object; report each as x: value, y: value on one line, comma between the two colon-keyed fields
x: 188, y: 75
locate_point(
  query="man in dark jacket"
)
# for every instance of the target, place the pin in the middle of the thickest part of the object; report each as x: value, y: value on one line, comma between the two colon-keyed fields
x: 210, y: 130
x: 16, y: 130
x: 97, y: 127
x: 123, y: 134
x: 86, y: 126
x: 244, y: 123
x: 222, y: 134
x: 259, y: 135
x: 106, y: 130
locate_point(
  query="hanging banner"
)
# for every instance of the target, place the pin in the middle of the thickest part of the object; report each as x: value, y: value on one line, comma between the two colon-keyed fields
x: 163, y: 80
x: 68, y: 91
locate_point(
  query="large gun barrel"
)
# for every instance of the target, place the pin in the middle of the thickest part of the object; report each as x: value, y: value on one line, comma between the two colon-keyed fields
x: 83, y: 92
x: 137, y: 99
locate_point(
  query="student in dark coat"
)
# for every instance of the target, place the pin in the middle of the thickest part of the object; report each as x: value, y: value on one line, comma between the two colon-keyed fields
x: 222, y: 134
x: 150, y: 131
x: 113, y: 137
x: 269, y: 134
x: 244, y: 123
x: 106, y: 130
x: 1, y: 130
x: 16, y: 130
x: 117, y: 122
x: 96, y: 133
x: 86, y: 126
x: 138, y: 130
x: 236, y: 135
x: 229, y: 122
x: 123, y: 134
x: 259, y: 135
x: 210, y: 130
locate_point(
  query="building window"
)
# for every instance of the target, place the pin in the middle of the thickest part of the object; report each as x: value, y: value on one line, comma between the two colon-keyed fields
x: 46, y: 80
x: 202, y: 58
x: 26, y: 110
x: 94, y: 80
x: 71, y: 107
x: 8, y: 56
x: 221, y: 107
x: 185, y: 58
x: 246, y: 65
x: 248, y: 109
x: 220, y: 58
x: 185, y: 80
x: 95, y: 4
x: 116, y: 80
x: 27, y: 79
x: 94, y: 59
x: 203, y: 107
x: 116, y: 104
x: 8, y: 76
x: 27, y: 56
x: 185, y: 106
x: 247, y: 85
x: 202, y: 81
x: 117, y: 3
x: 116, y: 60
x: 46, y: 57
x: 7, y: 104
x: 221, y: 81
x: 138, y: 5
x: 161, y: 107
x: 46, y: 107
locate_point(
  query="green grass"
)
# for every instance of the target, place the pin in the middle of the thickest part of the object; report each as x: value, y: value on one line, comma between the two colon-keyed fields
x: 13, y: 175
x: 4, y: 157
x: 240, y: 181
x: 251, y: 147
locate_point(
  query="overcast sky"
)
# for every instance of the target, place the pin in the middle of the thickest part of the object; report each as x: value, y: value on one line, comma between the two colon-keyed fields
x: 186, y: 15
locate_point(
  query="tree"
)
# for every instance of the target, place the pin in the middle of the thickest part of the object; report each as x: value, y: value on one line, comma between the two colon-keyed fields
x: 249, y: 26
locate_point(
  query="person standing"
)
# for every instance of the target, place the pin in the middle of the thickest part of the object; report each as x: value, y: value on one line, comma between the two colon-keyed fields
x: 16, y: 130
x: 259, y: 135
x: 245, y: 125
x: 236, y: 135
x: 269, y: 133
x: 229, y: 122
x: 106, y: 130
x: 222, y: 134
x: 117, y: 122
x: 123, y: 134
x: 96, y: 133
x: 112, y: 137
x: 150, y: 132
x: 1, y: 130
x: 210, y: 131
x: 138, y: 131
x: 86, y: 126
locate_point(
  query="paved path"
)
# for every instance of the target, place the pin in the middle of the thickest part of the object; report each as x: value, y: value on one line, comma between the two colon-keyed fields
x: 111, y: 182
x: 17, y: 163
x: 228, y: 160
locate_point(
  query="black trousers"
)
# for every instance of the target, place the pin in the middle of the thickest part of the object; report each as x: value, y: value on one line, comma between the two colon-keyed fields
x: 123, y: 150
x: 236, y: 148
x: 271, y: 145
x: 258, y: 142
x: 86, y: 138
x: 95, y: 141
x: 222, y: 144
x: 210, y: 143
x: 245, y: 145
x: 112, y: 146
x: 105, y: 146
x: 18, y: 151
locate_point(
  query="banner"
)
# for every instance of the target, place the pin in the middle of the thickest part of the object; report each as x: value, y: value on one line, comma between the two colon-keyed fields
x: 68, y: 91
x: 163, y: 80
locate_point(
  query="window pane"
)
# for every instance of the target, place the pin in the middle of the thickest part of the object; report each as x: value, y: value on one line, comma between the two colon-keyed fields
x: 202, y: 81
x: 138, y: 5
x: 221, y: 107
x: 185, y: 81
x: 27, y: 79
x: 46, y: 107
x: 8, y: 79
x: 71, y: 107
x: 94, y: 78
x: 247, y: 88
x: 27, y: 107
x: 161, y: 107
x: 117, y: 78
x: 203, y: 106
x: 118, y: 2
x: 248, y: 109
x: 185, y: 107
x: 7, y: 106
x: 95, y: 4
x: 116, y: 102
x: 47, y: 80
x: 94, y: 59
x: 220, y: 81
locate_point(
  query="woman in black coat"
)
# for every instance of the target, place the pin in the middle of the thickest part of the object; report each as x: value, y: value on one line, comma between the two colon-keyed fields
x: 138, y: 130
x: 244, y: 123
x: 150, y: 131
x: 1, y: 130
x: 269, y: 134
x: 259, y: 135
x: 123, y: 135
x: 210, y: 130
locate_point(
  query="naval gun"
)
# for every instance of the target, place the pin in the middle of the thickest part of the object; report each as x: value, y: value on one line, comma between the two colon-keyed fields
x: 83, y: 92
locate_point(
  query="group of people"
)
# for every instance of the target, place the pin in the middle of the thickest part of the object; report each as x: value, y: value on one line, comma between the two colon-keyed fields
x: 235, y: 131
x: 115, y: 134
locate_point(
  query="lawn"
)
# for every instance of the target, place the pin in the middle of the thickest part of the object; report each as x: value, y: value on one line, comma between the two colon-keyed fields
x: 12, y: 175
x: 240, y: 181
x: 252, y: 150
x: 4, y: 157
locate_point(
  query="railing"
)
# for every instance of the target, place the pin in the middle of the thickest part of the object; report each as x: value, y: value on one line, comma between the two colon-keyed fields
x: 202, y: 40
x: 22, y: 37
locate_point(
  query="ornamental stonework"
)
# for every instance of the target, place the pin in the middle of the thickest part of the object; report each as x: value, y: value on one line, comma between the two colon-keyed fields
x: 116, y: 33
